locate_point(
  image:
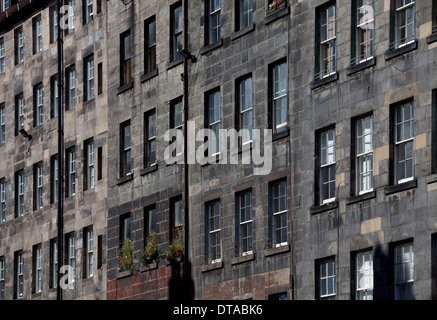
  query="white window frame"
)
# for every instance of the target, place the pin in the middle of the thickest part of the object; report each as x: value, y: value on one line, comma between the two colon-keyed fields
x: 246, y: 16
x: 5, y: 5
x: 54, y: 243
x: 328, y: 163
x: 20, y: 189
x: 214, y: 21
x: 90, y: 77
x: 151, y: 138
x: 20, y: 275
x: 246, y: 109
x: 39, y: 186
x: 327, y: 277
x: 20, y: 45
x: 90, y: 164
x: 2, y: 124
x: 280, y: 99
x: 177, y: 112
x: 214, y: 124
x: 54, y: 24
x: 71, y: 87
x: 364, y: 275
x: 55, y: 178
x: 177, y: 32
x: 2, y: 201
x: 55, y: 96
x: 2, y: 278
x: 71, y: 173
x: 178, y: 213
x: 2, y: 56
x: 89, y: 252
x: 366, y: 153
x: 71, y: 253
x: 70, y: 16
x: 151, y: 220
x: 126, y: 149
x: 38, y: 34
x: 38, y: 269
x: 403, y: 142
x: 367, y: 27
x: 214, y: 233
x: 246, y: 224
x: 39, y: 105
x: 404, y: 269
x: 278, y: 213
x: 20, y: 102
x: 89, y: 11
x: 402, y: 7
x: 328, y: 50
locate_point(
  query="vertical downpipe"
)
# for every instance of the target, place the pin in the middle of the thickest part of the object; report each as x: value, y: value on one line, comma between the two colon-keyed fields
x: 187, y: 270
x: 60, y: 154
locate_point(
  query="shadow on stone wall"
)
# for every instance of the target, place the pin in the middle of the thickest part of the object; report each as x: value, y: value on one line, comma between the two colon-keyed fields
x: 180, y: 285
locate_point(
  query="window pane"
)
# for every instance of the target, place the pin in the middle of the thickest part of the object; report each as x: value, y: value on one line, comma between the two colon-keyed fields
x: 178, y: 19
x: 152, y: 33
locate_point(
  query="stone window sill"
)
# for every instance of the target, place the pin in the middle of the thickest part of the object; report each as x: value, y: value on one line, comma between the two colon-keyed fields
x: 125, y: 179
x: 215, y: 159
x: 179, y: 159
x: 36, y: 295
x: 361, y: 66
x: 279, y: 135
x: 324, y: 207
x: 210, y: 47
x: 38, y: 212
x: 393, y: 53
x: 431, y: 179
x: 322, y: 81
x: 400, y: 187
x: 276, y: 250
x: 275, y: 14
x: 89, y: 191
x: 123, y: 274
x: 243, y: 259
x: 243, y: 32
x: 432, y: 38
x: 86, y: 103
x: 148, y: 267
x: 125, y: 87
x: 212, y: 266
x: 148, y: 76
x: 174, y: 63
x: 361, y: 197
x: 148, y: 170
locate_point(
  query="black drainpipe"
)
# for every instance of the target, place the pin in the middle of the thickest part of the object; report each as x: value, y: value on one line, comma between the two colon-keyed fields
x: 187, y: 269
x: 60, y: 225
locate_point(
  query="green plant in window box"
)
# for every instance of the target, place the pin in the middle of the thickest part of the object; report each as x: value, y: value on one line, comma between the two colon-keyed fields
x: 150, y: 253
x: 125, y: 258
x: 176, y: 247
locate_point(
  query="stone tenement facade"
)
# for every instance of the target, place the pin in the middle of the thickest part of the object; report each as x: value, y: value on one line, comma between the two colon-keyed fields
x: 144, y: 193
x: 348, y: 91
x: 28, y: 100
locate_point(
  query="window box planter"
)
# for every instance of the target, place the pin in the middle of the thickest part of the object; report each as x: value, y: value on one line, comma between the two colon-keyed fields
x: 275, y: 6
x: 276, y: 13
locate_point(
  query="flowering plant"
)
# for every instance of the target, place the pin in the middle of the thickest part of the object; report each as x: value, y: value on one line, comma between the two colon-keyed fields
x: 175, y: 248
x: 150, y: 252
x: 125, y: 257
x: 275, y: 4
